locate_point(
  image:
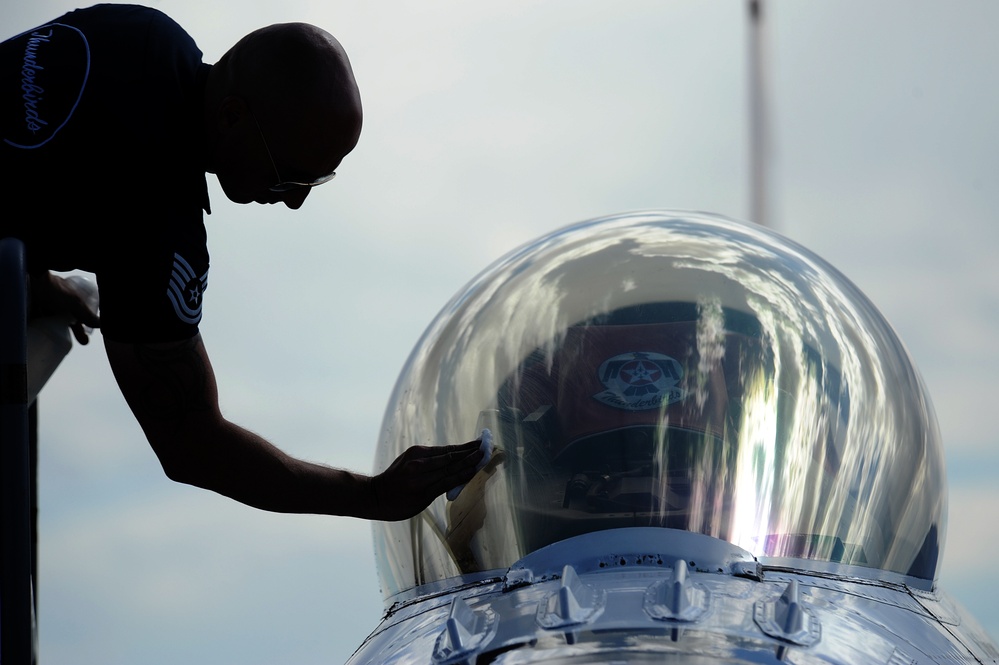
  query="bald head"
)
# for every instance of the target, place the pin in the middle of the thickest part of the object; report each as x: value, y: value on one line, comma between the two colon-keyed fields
x: 292, y: 64
x: 293, y: 85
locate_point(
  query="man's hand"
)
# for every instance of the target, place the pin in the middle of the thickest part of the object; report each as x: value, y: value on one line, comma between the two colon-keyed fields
x: 419, y: 475
x: 52, y: 295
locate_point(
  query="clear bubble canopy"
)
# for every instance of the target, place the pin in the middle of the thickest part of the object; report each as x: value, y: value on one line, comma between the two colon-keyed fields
x: 674, y: 370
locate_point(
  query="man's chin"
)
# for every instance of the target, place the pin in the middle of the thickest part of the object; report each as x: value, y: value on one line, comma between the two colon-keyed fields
x: 244, y: 197
x: 240, y: 196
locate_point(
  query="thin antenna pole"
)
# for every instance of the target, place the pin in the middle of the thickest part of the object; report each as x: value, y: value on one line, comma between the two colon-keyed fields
x: 759, y: 122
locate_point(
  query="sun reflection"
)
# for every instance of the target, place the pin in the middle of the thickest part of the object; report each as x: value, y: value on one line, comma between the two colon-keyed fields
x: 756, y: 465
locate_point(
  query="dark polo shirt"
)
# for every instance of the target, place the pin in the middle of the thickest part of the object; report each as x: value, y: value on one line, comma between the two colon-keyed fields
x: 101, y: 114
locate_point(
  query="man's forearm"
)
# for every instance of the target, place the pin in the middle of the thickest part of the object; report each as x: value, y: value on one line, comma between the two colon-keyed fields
x: 171, y: 390
x: 241, y: 465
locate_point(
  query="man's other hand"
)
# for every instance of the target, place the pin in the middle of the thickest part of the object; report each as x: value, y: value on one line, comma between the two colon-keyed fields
x: 419, y: 475
x: 53, y: 296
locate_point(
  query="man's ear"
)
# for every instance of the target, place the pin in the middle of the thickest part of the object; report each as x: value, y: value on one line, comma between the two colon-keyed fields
x: 232, y: 112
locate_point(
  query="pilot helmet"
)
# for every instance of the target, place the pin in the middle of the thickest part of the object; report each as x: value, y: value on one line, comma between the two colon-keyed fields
x: 633, y: 422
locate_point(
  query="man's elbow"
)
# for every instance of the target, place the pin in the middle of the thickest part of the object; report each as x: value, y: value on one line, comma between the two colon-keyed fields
x: 180, y: 471
x: 183, y: 459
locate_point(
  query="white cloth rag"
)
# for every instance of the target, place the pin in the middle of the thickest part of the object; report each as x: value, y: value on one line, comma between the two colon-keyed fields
x: 486, y: 446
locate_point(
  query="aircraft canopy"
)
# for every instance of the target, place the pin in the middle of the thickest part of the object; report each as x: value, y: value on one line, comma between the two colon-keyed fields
x: 669, y: 370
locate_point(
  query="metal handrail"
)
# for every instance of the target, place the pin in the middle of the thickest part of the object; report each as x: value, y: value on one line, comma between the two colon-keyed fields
x: 17, y: 626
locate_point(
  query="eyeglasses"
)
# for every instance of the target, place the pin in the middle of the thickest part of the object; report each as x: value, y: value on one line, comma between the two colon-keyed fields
x: 282, y: 185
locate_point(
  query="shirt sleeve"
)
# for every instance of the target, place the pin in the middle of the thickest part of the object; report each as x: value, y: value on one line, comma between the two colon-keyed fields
x: 155, y: 293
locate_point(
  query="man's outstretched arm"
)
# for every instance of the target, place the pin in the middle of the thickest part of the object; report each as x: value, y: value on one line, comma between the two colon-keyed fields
x: 171, y: 390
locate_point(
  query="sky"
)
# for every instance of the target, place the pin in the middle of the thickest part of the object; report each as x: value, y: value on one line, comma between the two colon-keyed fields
x: 488, y: 124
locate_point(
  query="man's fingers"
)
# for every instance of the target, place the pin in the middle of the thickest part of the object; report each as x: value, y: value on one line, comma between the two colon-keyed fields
x: 440, y: 474
x: 463, y: 472
x: 447, y: 473
x: 87, y: 317
x: 458, y: 457
x: 435, y: 452
x: 80, y: 333
x: 468, y: 445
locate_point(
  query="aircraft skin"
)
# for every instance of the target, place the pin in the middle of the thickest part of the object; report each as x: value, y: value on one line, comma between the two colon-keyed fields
x: 664, y: 489
x: 616, y: 597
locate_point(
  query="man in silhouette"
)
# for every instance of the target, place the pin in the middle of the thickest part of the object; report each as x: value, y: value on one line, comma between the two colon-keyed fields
x: 110, y: 122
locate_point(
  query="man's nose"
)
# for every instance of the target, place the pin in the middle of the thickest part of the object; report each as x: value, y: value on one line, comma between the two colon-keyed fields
x: 296, y: 197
